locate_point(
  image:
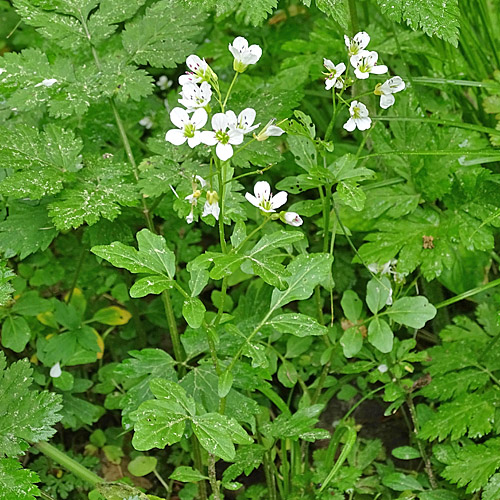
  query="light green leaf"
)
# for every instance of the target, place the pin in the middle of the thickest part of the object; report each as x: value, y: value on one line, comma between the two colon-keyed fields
x: 377, y: 292
x: 17, y: 483
x: 306, y: 271
x: 187, y: 475
x: 303, y: 150
x: 150, y: 285
x: 412, y: 311
x: 351, y: 342
x: 173, y: 394
x: 351, y: 305
x: 198, y: 280
x: 401, y: 482
x: 6, y: 289
x: 336, y: 9
x: 214, y: 435
x: 405, y: 453
x: 380, y: 335
x: 297, y: 324
x: 162, y: 259
x: 142, y: 465
x: 16, y: 333
x: 225, y: 383
x: 193, y: 311
x: 352, y: 195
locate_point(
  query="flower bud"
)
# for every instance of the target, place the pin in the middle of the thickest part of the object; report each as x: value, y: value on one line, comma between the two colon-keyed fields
x: 291, y: 218
x: 269, y: 130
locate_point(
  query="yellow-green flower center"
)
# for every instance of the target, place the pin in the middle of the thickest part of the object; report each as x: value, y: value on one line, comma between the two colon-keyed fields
x: 189, y: 130
x: 222, y: 137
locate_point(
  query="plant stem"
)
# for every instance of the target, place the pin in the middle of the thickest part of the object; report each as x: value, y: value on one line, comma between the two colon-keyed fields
x: 220, y: 173
x: 354, y: 16
x: 256, y: 230
x: 77, y: 273
x: 174, y: 332
x: 69, y: 464
x: 328, y: 132
x: 427, y: 462
x: 212, y: 474
x: 198, y: 463
x: 468, y: 293
x: 162, y: 481
x: 229, y: 90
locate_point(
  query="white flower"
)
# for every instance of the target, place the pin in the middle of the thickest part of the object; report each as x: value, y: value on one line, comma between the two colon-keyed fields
x: 55, y: 371
x: 387, y: 89
x: 244, y: 122
x: 190, y: 217
x: 164, y: 83
x: 366, y: 63
x: 333, y: 75
x: 146, y: 122
x: 383, y: 269
x: 357, y: 44
x: 46, y: 83
x: 193, y: 198
x: 382, y: 368
x: 293, y: 219
x: 359, y: 117
x: 388, y: 302
x: 269, y: 130
x: 195, y: 96
x: 243, y: 54
x: 200, y: 71
x: 211, y: 205
x: 263, y: 198
x: 221, y: 136
x: 188, y: 127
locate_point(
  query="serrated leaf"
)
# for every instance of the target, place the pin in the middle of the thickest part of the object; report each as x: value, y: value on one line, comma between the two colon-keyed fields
x: 163, y: 36
x: 299, y: 425
x: 336, y: 9
x: 433, y: 17
x: 473, y: 465
x: 27, y: 415
x: 6, y: 289
x: 17, y: 483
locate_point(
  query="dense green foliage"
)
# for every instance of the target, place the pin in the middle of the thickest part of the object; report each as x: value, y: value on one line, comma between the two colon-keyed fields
x: 166, y: 333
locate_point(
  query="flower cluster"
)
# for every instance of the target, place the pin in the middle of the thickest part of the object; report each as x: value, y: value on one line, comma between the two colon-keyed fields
x: 228, y: 128
x: 364, y: 62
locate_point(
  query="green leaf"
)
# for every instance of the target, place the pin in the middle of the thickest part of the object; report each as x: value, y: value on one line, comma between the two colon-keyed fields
x: 6, y: 289
x: 380, y: 335
x: 297, y: 324
x: 101, y: 189
x: 161, y: 258
x: 120, y: 491
x: 433, y: 17
x: 17, y: 483
x: 473, y: 464
x: 352, y: 195
x: 193, y: 311
x: 142, y: 466
x: 16, y: 333
x: 174, y: 395
x: 26, y: 230
x: 247, y: 459
x: 303, y: 150
x: 27, y: 415
x: 336, y: 9
x: 405, y: 453
x: 300, y: 425
x: 377, y: 292
x: 187, y: 475
x: 351, y: 341
x: 351, y: 305
x: 412, y: 311
x: 401, y: 482
x: 306, y: 271
x: 471, y: 414
x: 210, y: 429
x: 150, y: 285
x: 156, y: 426
x: 164, y: 36
x: 225, y: 383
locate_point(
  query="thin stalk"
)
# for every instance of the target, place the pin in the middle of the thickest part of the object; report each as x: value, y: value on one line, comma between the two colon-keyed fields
x: 162, y: 481
x: 213, y: 477
x: 77, y: 273
x: 174, y: 332
x: 427, y: 462
x: 452, y: 152
x: 69, y: 464
x: 229, y: 90
x: 198, y: 463
x: 468, y: 293
x: 271, y: 484
x: 45, y: 496
x: 285, y: 468
x: 222, y: 301
x: 220, y: 173
x: 354, y: 16
x: 328, y: 132
x: 256, y: 230
x: 260, y: 171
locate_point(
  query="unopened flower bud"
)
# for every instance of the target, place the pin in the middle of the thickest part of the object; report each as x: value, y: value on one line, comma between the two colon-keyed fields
x: 270, y: 130
x: 291, y: 218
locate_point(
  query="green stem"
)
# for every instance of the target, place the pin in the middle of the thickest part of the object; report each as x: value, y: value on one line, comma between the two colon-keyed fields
x: 222, y: 238
x: 68, y: 463
x: 285, y: 467
x: 213, y: 477
x: 198, y: 463
x: 229, y: 90
x: 244, y: 146
x: 162, y: 481
x: 77, y: 273
x: 354, y: 16
x: 328, y: 132
x: 256, y: 230
x: 174, y: 332
x: 260, y: 171
x: 468, y: 293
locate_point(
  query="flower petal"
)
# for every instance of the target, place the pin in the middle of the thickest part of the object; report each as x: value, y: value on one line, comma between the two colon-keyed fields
x: 386, y: 101
x: 262, y: 190
x: 224, y: 151
x: 55, y: 371
x: 195, y: 140
x: 328, y: 64
x: 240, y: 44
x: 208, y: 137
x: 194, y: 63
x: 231, y: 118
x: 364, y: 123
x: 362, y: 39
x: 279, y: 199
x: 252, y: 199
x: 350, y: 125
x: 380, y: 69
x: 340, y: 68
x: 274, y: 131
x: 235, y: 137
x: 246, y: 118
x: 199, y: 118
x: 293, y: 219
x: 175, y: 136
x: 219, y: 121
x: 179, y: 117
x: 361, y: 75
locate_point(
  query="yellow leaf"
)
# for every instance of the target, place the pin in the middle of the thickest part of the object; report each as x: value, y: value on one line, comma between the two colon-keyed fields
x: 112, y: 315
